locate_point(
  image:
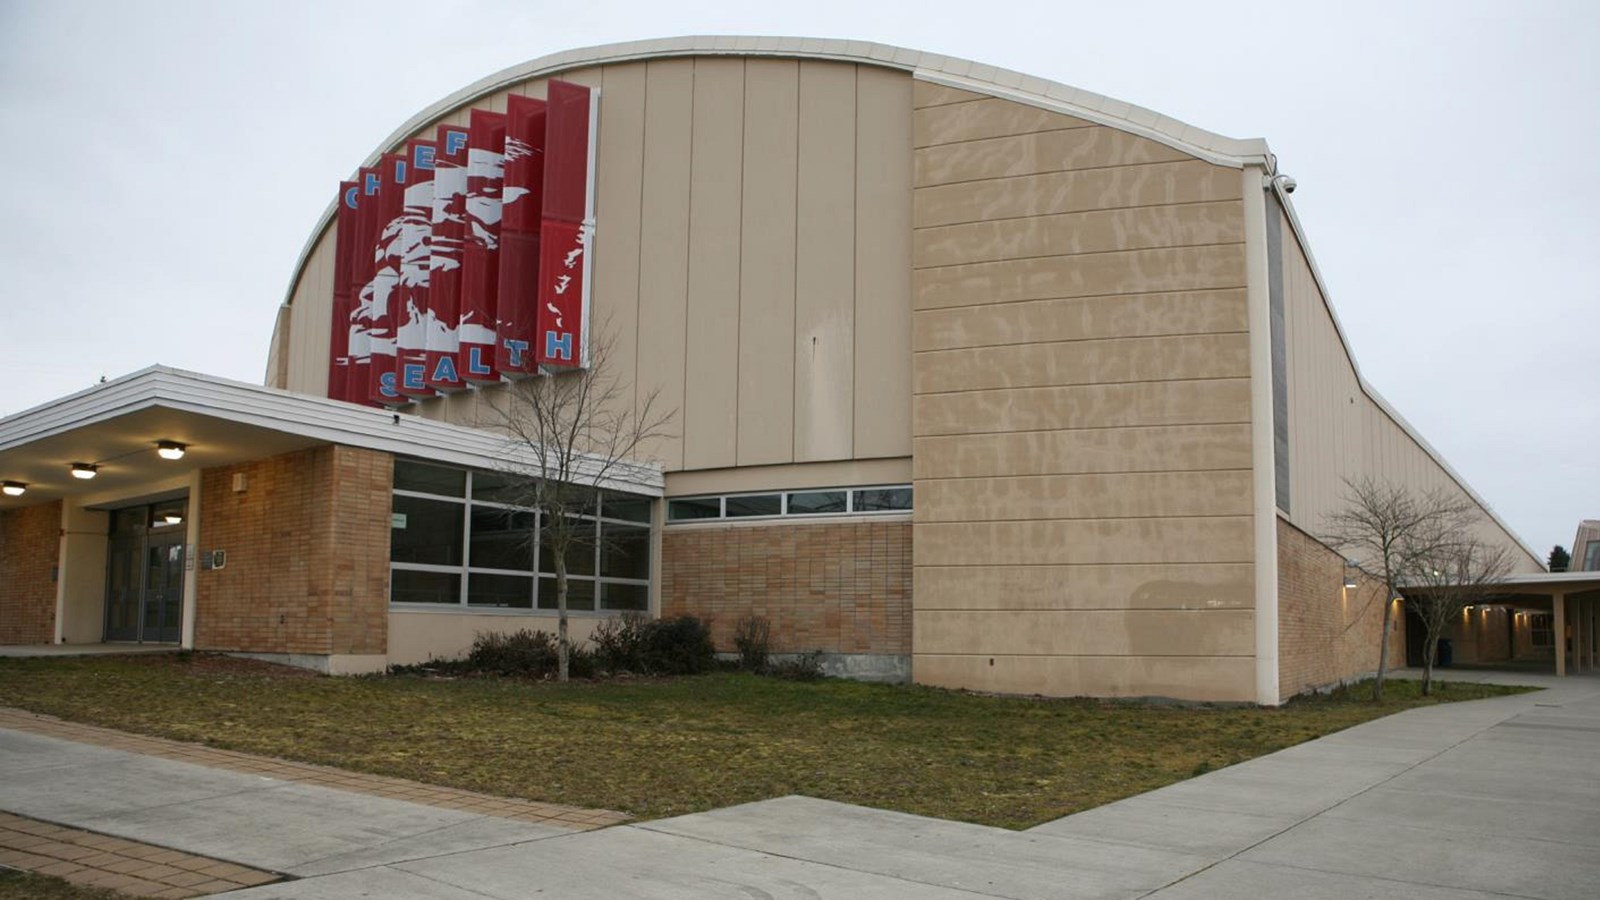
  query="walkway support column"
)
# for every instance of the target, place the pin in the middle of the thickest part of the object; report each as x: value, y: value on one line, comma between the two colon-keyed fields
x: 1558, y: 606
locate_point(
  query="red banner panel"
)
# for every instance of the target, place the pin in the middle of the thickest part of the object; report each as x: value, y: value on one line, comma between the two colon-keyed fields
x: 567, y: 230
x: 449, y: 228
x: 411, y: 298
x: 362, y: 269
x: 392, y: 174
x: 343, y: 265
x: 522, y: 202
x: 480, y: 257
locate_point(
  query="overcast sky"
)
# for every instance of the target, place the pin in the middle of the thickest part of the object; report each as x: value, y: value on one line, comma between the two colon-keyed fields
x: 169, y: 160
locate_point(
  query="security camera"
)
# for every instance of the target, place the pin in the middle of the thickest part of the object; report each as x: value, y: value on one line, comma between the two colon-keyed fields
x: 1285, y: 183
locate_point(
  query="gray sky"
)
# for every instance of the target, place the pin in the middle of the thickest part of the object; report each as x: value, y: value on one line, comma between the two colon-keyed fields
x: 171, y: 158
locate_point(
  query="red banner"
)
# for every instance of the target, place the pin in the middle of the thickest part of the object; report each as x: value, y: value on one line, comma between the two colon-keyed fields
x: 411, y: 297
x: 358, y: 325
x: 343, y: 265
x: 522, y: 202
x: 567, y: 230
x: 480, y: 257
x: 444, y: 279
x: 392, y: 172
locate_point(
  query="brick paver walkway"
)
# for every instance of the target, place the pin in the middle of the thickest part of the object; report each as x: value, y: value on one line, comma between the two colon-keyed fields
x: 98, y: 860
x: 571, y: 817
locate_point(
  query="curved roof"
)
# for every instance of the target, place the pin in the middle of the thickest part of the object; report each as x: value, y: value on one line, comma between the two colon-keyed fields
x: 931, y: 67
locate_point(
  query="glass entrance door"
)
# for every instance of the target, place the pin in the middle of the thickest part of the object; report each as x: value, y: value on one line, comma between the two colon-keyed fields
x: 144, y: 573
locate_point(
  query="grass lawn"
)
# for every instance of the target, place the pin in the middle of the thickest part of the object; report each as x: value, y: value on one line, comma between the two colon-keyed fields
x: 662, y: 748
x: 29, y: 886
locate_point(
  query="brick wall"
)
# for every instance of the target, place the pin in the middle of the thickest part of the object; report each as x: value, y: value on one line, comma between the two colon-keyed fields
x: 1326, y: 633
x: 838, y: 587
x: 307, y: 554
x: 30, y: 545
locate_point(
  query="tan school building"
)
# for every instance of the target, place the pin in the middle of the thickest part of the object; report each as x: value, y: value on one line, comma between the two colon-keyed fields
x: 979, y: 380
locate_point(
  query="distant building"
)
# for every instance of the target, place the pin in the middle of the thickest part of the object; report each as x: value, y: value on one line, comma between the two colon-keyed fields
x: 981, y: 380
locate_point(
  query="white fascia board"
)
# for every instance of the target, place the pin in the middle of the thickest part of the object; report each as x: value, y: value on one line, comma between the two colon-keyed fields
x: 932, y: 67
x: 1372, y: 392
x: 331, y: 421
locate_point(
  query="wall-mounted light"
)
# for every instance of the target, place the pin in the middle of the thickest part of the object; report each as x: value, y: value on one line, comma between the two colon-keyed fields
x: 13, y: 488
x: 170, y: 449
x: 85, y: 471
x: 172, y: 519
x: 1350, y: 570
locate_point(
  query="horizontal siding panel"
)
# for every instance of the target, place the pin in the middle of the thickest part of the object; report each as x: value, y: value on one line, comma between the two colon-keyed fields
x: 926, y: 93
x: 1031, y: 154
x: 1193, y: 586
x: 1102, y: 231
x: 1080, y: 632
x: 1189, y: 356
x: 1111, y: 496
x: 985, y: 118
x: 1222, y: 679
x: 1130, y: 272
x: 1064, y: 192
x: 1081, y: 318
x: 1089, y: 542
x: 1157, y: 449
x: 1084, y: 406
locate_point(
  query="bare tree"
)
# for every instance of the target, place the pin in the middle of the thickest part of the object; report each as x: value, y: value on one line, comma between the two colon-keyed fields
x: 572, y: 433
x: 1457, y: 572
x: 1384, y: 529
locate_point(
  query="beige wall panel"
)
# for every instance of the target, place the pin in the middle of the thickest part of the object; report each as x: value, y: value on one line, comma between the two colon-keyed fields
x: 1227, y: 679
x: 1087, y: 406
x: 1081, y: 318
x: 1064, y: 192
x: 1159, y: 449
x: 883, y: 264
x: 664, y: 239
x: 711, y: 395
x: 1193, y: 586
x: 843, y: 473
x: 416, y: 637
x: 825, y: 257
x: 278, y: 349
x: 986, y: 118
x: 1080, y: 632
x: 1134, y: 271
x: 1183, y: 356
x: 767, y: 279
x: 1030, y: 154
x: 1092, y: 541
x: 929, y: 94
x: 1109, y: 496
x: 619, y: 174
x: 311, y: 321
x: 1194, y: 224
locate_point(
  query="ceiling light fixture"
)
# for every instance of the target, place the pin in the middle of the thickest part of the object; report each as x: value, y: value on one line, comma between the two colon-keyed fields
x: 172, y: 519
x: 171, y: 449
x: 13, y: 488
x: 85, y: 471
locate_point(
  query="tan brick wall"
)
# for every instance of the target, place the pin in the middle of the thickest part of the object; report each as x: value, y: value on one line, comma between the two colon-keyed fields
x: 307, y: 554
x: 30, y: 545
x: 839, y: 587
x: 1326, y: 633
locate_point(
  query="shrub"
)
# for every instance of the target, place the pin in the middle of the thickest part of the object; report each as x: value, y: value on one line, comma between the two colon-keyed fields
x: 619, y: 643
x: 529, y: 654
x: 752, y: 637
x: 678, y: 646
x: 801, y: 667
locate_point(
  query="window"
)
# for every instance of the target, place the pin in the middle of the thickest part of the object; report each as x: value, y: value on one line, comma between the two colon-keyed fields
x: 1591, y: 556
x: 1540, y: 630
x: 458, y: 538
x: 813, y: 502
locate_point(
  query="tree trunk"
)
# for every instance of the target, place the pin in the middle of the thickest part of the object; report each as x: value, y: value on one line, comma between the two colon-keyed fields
x: 1383, y: 643
x: 561, y: 617
x: 1429, y: 653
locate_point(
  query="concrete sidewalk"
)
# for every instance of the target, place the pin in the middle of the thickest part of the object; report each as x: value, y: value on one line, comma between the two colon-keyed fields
x: 1487, y: 799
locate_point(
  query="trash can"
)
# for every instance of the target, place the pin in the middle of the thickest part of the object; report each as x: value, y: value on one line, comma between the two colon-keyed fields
x: 1446, y: 653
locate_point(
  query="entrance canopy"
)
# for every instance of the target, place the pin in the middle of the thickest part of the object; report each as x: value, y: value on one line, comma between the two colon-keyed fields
x: 118, y: 428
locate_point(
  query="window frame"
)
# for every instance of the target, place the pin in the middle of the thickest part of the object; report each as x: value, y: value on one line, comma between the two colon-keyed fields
x: 784, y: 512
